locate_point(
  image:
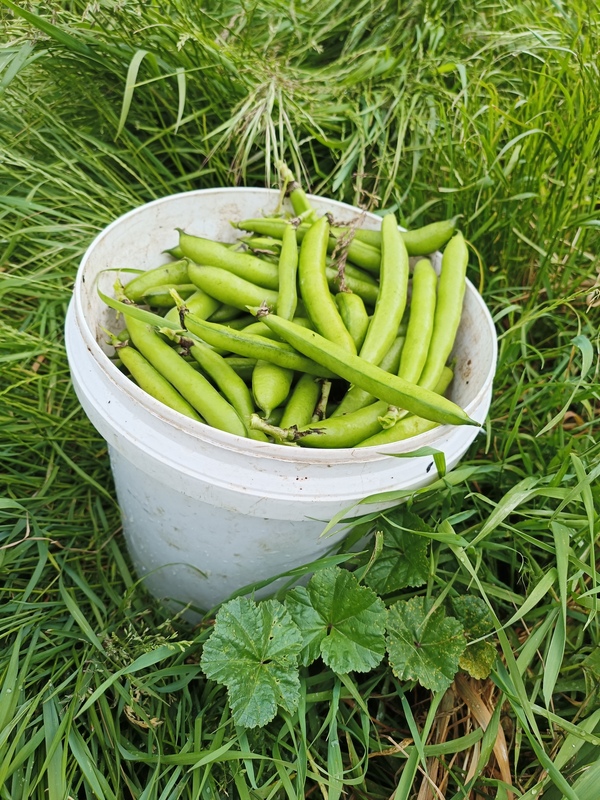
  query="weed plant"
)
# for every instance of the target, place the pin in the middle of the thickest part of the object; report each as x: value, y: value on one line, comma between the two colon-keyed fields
x: 484, y: 109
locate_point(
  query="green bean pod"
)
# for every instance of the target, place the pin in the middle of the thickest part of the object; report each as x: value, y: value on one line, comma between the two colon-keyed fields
x: 213, y: 254
x: 367, y: 376
x: 393, y: 289
x: 287, y: 298
x: 230, y: 288
x: 161, y: 297
x: 410, y: 425
x: 199, y: 303
x: 270, y: 385
x: 252, y: 346
x: 345, y: 431
x: 314, y: 290
x: 194, y: 387
x: 369, y: 292
x: 354, y: 316
x: 419, y: 241
x: 301, y: 403
x: 420, y: 321
x: 228, y: 315
x: 151, y: 381
x: 172, y: 273
x: 448, y: 310
x: 356, y: 398
x: 360, y: 253
x: 242, y: 366
x: 231, y: 385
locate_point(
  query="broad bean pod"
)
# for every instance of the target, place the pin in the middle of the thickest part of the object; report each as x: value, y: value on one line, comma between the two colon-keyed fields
x: 354, y: 316
x: 214, y: 254
x: 151, y: 381
x: 301, y: 403
x: 411, y: 425
x: 420, y: 321
x: 194, y: 387
x: 229, y: 288
x: 448, y: 310
x: 367, y: 376
x: 173, y: 273
x: 317, y: 298
x: 252, y: 346
x: 231, y: 385
x: 271, y: 385
x: 287, y: 297
x: 393, y: 289
x: 419, y: 241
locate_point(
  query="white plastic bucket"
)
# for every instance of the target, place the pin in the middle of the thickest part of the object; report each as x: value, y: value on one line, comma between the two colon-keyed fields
x: 206, y: 513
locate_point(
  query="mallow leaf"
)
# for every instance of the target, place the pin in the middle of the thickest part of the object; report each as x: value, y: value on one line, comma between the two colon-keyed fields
x: 403, y: 560
x: 423, y: 643
x: 474, y: 614
x: 340, y: 620
x: 479, y: 657
x: 253, y: 651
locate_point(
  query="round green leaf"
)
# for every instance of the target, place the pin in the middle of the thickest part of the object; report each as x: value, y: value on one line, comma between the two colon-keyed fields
x: 340, y: 620
x: 423, y: 643
x: 253, y: 651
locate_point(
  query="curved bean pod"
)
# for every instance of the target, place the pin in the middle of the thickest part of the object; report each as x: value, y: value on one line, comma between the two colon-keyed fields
x: 314, y: 290
x: 419, y: 241
x: 448, y: 310
x: 196, y: 389
x: 172, y: 273
x: 213, y: 254
x: 151, y: 381
x: 420, y: 321
x: 410, y: 425
x: 229, y: 288
x: 252, y: 346
x: 367, y: 376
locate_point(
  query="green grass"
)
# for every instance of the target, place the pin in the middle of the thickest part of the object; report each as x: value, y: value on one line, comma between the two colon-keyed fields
x: 488, y: 110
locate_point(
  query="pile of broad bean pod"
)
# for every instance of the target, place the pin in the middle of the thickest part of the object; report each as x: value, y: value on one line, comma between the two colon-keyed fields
x: 302, y: 332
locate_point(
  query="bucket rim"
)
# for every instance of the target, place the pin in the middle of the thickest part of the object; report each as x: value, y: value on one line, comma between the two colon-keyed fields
x: 242, y: 445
